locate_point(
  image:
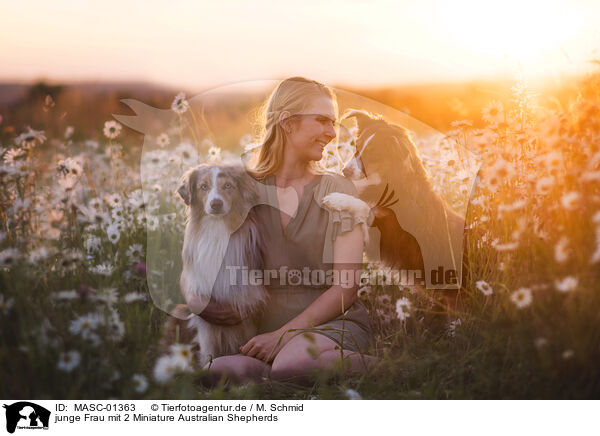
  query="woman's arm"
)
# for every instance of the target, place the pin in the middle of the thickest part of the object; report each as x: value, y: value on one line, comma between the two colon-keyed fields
x: 212, y: 312
x: 347, y: 256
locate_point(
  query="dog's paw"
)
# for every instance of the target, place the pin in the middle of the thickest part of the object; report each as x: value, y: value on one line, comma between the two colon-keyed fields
x: 337, y: 201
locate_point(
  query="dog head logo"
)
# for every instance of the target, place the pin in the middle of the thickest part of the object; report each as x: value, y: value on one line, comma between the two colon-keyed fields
x: 26, y: 415
x: 413, y: 228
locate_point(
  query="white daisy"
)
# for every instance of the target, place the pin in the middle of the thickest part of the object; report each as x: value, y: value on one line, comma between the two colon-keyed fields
x: 591, y: 176
x: 117, y: 213
x: 164, y: 369
x: 68, y: 183
x: 28, y: 139
x: 103, y: 269
x: 516, y: 205
x: 69, y: 132
x: 567, y: 354
x: 95, y: 203
x: 39, y: 255
x: 214, y: 154
x: 71, y: 259
x: 140, y: 383
x: 68, y: 361
x: 134, y: 296
x: 109, y: 296
x: 561, y: 253
x: 9, y: 257
x: 117, y: 327
x: 351, y: 394
x: 182, y: 353
x: 112, y: 129
x: 113, y: 200
x: 522, y: 297
x: 493, y: 113
x: 92, y: 244
x: 167, y: 366
x: 85, y: 324
x: 134, y: 252
x: 484, y: 287
x: 180, y: 105
x: 65, y: 295
x: 188, y: 154
x: 14, y: 155
x: 113, y: 233
x: 552, y: 161
x: 152, y: 223
x: 570, y: 200
x: 69, y: 166
x: 403, y: 306
x: 544, y: 185
x: 567, y: 284
x: 162, y: 140
x: 509, y: 246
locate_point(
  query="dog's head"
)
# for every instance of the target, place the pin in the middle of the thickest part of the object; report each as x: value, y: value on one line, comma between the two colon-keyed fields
x: 379, y: 145
x: 217, y: 190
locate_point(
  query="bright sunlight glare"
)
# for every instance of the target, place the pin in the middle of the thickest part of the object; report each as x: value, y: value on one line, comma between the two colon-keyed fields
x: 511, y: 28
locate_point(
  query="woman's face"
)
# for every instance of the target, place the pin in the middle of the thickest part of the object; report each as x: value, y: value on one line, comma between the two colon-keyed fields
x: 312, y: 130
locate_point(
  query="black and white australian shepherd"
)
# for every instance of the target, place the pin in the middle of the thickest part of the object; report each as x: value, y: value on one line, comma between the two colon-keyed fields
x: 419, y: 230
x: 222, y: 235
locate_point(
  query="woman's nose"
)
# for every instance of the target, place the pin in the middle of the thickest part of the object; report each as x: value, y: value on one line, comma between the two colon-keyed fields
x: 330, y: 131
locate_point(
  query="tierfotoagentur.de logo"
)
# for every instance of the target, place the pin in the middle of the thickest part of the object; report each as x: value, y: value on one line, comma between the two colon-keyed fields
x: 26, y: 415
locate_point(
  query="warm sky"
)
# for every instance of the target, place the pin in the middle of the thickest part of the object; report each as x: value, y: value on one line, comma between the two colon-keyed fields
x: 199, y: 44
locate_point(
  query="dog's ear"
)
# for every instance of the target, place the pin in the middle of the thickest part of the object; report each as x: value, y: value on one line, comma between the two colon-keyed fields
x: 186, y: 189
x: 363, y: 118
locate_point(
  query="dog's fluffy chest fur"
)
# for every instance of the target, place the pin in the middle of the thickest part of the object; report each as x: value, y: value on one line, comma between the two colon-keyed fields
x: 208, y: 250
x: 204, y: 249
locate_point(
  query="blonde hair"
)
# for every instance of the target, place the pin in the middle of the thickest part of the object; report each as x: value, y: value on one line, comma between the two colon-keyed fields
x: 293, y: 95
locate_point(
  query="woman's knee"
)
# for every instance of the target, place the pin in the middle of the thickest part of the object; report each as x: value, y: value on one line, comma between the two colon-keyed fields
x: 299, y: 357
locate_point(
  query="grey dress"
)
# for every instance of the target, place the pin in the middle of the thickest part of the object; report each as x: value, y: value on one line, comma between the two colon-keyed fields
x: 307, y: 242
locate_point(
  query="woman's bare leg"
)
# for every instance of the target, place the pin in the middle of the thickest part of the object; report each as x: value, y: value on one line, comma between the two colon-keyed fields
x: 300, y: 356
x: 238, y: 368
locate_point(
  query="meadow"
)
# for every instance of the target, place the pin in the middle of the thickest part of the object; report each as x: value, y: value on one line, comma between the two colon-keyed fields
x: 79, y: 320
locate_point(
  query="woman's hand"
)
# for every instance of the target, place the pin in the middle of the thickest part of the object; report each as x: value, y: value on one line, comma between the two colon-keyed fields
x: 266, y: 346
x: 220, y: 314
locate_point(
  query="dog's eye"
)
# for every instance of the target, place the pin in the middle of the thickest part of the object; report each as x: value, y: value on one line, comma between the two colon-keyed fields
x: 204, y: 187
x: 228, y: 185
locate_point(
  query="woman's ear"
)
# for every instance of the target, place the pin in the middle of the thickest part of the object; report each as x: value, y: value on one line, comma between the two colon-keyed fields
x: 284, y: 121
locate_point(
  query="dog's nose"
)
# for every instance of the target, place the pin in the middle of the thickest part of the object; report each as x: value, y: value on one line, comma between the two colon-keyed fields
x: 216, y: 205
x: 349, y: 171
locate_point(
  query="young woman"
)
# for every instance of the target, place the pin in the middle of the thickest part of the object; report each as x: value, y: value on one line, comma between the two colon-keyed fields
x: 299, y: 119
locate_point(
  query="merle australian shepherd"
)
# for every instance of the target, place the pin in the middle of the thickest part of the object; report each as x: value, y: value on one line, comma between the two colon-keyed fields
x: 221, y: 232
